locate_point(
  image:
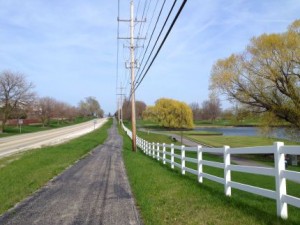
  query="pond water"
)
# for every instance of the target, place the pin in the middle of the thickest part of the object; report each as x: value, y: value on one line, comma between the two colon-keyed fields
x: 243, y: 131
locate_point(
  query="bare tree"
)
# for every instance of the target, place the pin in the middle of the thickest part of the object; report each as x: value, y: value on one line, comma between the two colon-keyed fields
x: 45, y: 109
x: 211, y: 108
x: 15, y: 93
x: 140, y: 107
x: 196, y: 110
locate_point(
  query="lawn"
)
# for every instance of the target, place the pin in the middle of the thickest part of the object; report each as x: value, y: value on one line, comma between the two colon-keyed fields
x: 14, y: 130
x: 23, y: 174
x: 224, y: 122
x: 236, y: 141
x: 164, y: 196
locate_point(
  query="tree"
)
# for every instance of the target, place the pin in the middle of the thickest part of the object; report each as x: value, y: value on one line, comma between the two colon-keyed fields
x: 196, y: 110
x: 211, y: 109
x: 266, y: 76
x: 15, y: 94
x: 90, y: 107
x: 140, y: 107
x: 170, y: 113
x: 45, y: 109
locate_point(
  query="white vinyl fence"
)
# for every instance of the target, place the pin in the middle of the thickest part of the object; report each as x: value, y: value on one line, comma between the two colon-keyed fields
x: 160, y: 151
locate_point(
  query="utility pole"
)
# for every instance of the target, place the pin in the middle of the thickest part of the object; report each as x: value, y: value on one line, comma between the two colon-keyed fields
x: 132, y: 67
x: 120, y: 105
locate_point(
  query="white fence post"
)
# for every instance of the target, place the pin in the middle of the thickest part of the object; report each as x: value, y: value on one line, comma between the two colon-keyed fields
x: 147, y: 148
x: 279, y: 161
x: 164, y: 153
x: 182, y: 160
x: 153, y: 150
x: 144, y: 146
x: 172, y: 156
x: 227, y: 172
x: 157, y: 151
x: 200, y: 166
x: 137, y: 141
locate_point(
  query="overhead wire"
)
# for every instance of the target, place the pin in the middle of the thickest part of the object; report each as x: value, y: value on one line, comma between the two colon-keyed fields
x: 157, y: 39
x: 141, y: 27
x: 162, y: 43
x: 144, y: 68
x: 150, y: 23
x: 117, y: 66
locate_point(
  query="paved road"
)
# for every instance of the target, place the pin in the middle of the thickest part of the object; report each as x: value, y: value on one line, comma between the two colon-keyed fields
x: 18, y: 143
x: 93, y: 191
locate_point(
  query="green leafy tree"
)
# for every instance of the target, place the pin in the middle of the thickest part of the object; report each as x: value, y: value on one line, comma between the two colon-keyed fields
x: 170, y: 113
x: 266, y: 76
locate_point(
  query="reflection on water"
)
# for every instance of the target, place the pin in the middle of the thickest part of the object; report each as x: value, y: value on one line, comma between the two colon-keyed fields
x: 245, y: 131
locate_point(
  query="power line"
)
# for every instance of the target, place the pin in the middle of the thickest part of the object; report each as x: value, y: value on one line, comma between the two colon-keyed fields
x: 170, y: 11
x: 117, y: 66
x: 162, y: 7
x: 149, y: 25
x: 166, y: 36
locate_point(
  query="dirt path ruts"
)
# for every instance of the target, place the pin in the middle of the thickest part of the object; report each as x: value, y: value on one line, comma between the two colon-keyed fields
x: 93, y: 191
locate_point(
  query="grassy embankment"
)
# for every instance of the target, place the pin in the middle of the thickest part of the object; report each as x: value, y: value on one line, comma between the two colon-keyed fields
x: 14, y: 129
x: 164, y: 196
x: 23, y: 174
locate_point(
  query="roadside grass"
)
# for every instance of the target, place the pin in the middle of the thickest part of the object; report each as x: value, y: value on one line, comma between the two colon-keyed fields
x: 152, y: 137
x: 15, y: 130
x: 237, y: 141
x: 224, y: 122
x: 23, y: 174
x: 196, y: 133
x: 164, y: 196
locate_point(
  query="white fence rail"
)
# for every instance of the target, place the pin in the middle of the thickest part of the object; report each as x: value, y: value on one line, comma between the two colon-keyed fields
x: 160, y: 151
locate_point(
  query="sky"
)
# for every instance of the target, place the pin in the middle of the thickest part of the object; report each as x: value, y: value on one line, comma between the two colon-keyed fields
x: 68, y: 48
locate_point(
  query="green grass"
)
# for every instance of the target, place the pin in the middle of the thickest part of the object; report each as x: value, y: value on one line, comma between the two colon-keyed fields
x: 21, y: 175
x: 193, y: 132
x: 237, y: 141
x: 15, y: 130
x: 152, y: 137
x: 224, y: 122
x: 164, y: 196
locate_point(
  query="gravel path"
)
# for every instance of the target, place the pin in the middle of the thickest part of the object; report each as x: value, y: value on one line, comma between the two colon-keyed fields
x: 93, y: 191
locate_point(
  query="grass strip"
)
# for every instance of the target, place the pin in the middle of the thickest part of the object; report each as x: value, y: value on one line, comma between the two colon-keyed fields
x: 21, y: 175
x: 237, y: 141
x: 164, y: 196
x: 15, y: 129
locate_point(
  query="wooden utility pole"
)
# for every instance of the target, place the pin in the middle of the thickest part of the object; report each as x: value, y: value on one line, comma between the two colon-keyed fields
x: 132, y: 67
x: 120, y: 104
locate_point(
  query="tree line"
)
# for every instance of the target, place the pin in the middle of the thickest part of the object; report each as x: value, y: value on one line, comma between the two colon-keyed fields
x: 19, y: 101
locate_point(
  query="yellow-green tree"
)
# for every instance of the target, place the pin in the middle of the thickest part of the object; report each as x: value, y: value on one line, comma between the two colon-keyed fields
x: 170, y: 113
x: 266, y: 76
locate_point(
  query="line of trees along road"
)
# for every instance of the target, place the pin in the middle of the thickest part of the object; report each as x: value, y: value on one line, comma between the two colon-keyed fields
x: 18, y: 101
